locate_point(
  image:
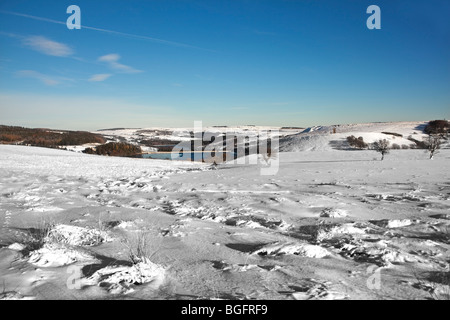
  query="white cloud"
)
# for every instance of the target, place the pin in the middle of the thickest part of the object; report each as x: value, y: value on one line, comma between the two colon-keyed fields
x: 112, y: 60
x: 162, y: 41
x: 113, y: 57
x: 39, y: 76
x: 47, y: 46
x: 99, y: 77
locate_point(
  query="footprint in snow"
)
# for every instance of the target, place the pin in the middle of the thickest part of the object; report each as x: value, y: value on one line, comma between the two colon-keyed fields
x: 223, y: 266
x: 333, y: 213
x: 313, y: 289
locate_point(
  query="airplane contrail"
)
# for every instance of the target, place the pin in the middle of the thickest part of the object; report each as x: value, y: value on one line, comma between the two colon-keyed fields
x: 167, y: 42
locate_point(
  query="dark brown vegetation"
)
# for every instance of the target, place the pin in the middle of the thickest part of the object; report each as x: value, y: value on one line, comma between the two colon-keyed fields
x: 155, y: 131
x: 292, y: 128
x: 393, y: 134
x: 162, y: 145
x: 357, y: 142
x: 441, y: 127
x: 46, y: 137
x: 117, y: 149
x: 419, y: 143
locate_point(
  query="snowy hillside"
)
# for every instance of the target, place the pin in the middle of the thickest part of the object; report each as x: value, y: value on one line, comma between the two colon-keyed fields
x: 324, y: 138
x: 317, y: 138
x: 184, y: 134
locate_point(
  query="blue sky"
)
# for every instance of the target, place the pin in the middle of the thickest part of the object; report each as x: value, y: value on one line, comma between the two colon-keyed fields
x: 237, y: 62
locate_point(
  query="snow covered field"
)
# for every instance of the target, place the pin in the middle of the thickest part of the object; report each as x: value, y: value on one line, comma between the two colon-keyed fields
x: 331, y: 224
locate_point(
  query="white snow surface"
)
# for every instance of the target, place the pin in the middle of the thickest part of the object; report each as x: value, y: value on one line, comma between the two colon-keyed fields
x: 77, y: 236
x: 66, y: 163
x: 56, y: 255
x: 318, y: 229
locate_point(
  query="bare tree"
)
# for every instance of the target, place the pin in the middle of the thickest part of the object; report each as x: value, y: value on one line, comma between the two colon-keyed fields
x: 381, y: 146
x: 433, y: 144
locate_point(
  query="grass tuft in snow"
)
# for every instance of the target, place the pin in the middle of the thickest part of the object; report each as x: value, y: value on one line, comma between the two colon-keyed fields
x: 33, y: 238
x: 140, y: 247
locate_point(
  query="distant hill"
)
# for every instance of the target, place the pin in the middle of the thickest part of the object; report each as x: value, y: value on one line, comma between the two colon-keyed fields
x: 323, y: 138
x: 46, y: 137
x: 116, y: 129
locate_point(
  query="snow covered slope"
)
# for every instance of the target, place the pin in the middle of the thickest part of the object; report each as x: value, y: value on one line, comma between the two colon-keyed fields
x: 67, y: 163
x: 323, y: 138
x: 183, y: 134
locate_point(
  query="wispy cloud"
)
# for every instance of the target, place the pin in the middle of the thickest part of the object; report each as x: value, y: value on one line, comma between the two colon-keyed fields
x: 112, y: 60
x: 9, y: 34
x: 47, y: 46
x: 39, y: 76
x: 99, y: 77
x: 118, y: 33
